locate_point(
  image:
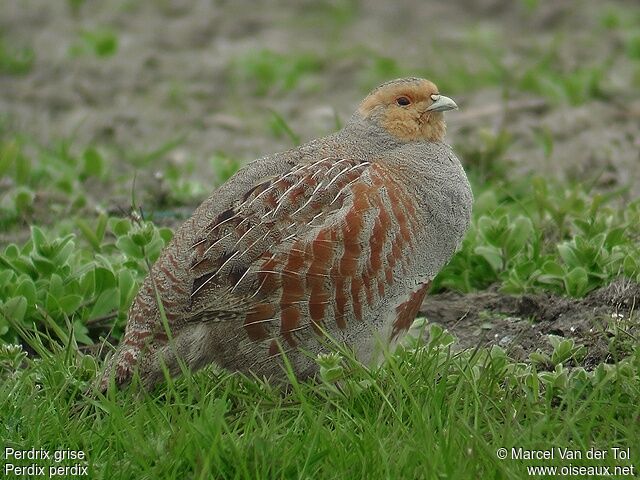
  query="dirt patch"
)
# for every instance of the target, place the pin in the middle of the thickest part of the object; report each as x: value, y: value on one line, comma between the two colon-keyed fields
x: 606, y: 322
x: 170, y: 78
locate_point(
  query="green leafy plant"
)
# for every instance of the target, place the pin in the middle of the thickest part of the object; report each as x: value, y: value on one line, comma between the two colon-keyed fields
x: 224, y: 166
x: 58, y: 174
x: 179, y: 187
x: 100, y: 42
x: 573, y: 87
x: 266, y: 71
x: 279, y: 128
x: 546, y: 238
x: 633, y: 47
x: 54, y: 284
x: 16, y: 61
x: 564, y: 349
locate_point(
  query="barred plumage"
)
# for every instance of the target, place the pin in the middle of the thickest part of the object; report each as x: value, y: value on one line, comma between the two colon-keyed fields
x: 342, y: 236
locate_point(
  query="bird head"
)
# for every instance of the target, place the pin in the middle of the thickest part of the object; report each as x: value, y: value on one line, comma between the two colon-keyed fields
x: 410, y: 109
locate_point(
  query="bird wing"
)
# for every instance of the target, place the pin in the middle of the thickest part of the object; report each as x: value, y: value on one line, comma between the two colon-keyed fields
x: 321, y: 242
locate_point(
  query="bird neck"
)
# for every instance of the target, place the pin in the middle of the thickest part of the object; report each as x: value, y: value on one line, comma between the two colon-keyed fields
x: 378, y: 139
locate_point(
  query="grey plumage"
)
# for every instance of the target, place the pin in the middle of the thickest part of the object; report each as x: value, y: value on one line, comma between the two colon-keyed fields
x: 342, y: 234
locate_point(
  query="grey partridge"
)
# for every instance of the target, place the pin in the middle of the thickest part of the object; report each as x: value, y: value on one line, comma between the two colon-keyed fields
x: 339, y: 237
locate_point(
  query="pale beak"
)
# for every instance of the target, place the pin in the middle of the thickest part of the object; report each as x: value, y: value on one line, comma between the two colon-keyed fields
x: 441, y: 104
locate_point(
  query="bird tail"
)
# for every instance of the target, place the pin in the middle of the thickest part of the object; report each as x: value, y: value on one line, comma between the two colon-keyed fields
x: 121, y: 366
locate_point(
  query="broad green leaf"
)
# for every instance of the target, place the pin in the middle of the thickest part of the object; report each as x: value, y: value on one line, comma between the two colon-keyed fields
x: 69, y: 303
x: 566, y: 251
x: 6, y: 276
x: 93, y: 163
x: 120, y: 226
x: 126, y: 286
x: 56, y: 286
x: 486, y: 201
x: 81, y: 333
x: 104, y: 279
x: 14, y: 309
x: 552, y: 268
x: 555, y: 340
x: 27, y: 289
x: 63, y: 249
x: 539, y: 357
x: 520, y: 233
x: 38, y: 237
x: 106, y: 303
x: 129, y: 247
x: 485, y: 225
x: 51, y: 304
x: 12, y: 251
x: 492, y: 255
x: 583, y: 225
x: 166, y: 234
x: 88, y: 234
x: 88, y: 284
x: 576, y: 282
x: 43, y: 265
x: 101, y: 226
x: 140, y: 238
x: 154, y: 249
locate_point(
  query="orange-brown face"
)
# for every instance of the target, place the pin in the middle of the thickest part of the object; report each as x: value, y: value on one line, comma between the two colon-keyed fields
x: 410, y: 109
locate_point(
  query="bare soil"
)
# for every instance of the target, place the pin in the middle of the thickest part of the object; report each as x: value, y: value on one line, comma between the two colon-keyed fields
x: 606, y: 321
x: 171, y: 77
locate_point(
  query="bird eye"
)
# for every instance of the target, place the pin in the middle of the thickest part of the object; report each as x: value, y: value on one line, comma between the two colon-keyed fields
x: 403, y: 101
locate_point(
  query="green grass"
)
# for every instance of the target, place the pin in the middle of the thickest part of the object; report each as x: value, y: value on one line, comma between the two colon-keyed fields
x: 74, y: 257
x: 427, y: 412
